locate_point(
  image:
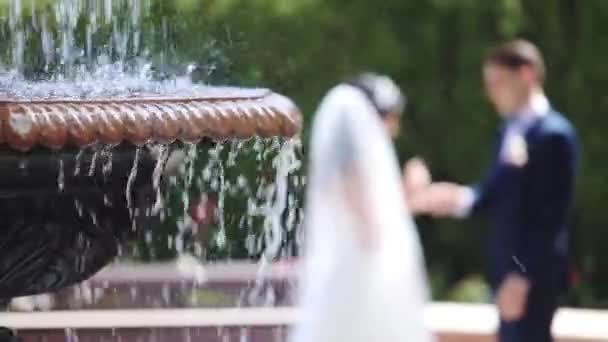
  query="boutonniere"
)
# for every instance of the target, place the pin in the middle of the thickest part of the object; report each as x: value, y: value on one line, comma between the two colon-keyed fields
x: 516, y: 150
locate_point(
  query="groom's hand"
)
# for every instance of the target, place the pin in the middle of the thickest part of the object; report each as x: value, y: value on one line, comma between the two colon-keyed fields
x: 512, y: 297
x: 439, y: 199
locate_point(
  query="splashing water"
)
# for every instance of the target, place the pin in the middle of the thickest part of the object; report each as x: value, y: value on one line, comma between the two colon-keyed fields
x: 54, y: 35
x: 285, y: 163
x: 93, y: 48
x: 241, y: 183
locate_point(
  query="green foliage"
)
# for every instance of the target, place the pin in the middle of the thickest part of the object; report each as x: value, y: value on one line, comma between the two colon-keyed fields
x: 472, y: 290
x: 433, y: 49
x: 209, y: 298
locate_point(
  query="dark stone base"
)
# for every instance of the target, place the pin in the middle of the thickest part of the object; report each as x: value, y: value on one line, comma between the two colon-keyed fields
x: 7, y: 335
x: 54, y: 236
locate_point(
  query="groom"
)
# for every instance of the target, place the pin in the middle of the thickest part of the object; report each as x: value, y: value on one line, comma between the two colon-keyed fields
x: 527, y: 194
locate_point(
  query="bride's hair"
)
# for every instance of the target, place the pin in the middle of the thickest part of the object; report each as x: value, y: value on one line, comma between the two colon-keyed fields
x: 381, y: 91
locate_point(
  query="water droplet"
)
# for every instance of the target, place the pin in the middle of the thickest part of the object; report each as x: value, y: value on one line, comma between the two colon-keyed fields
x: 61, y: 176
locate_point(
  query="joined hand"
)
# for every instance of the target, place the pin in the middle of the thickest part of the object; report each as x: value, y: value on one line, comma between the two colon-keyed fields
x: 424, y: 197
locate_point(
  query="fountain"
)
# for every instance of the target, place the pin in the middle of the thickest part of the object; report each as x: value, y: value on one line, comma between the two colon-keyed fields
x: 39, y: 136
x: 93, y: 135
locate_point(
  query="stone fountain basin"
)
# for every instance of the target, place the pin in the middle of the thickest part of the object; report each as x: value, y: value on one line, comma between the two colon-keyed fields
x: 58, y: 227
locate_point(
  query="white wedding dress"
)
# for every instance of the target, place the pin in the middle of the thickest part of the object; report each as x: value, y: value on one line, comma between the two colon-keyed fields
x: 362, y: 276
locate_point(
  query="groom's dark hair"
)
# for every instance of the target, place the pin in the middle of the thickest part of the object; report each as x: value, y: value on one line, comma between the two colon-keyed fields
x: 381, y: 91
x: 517, y: 53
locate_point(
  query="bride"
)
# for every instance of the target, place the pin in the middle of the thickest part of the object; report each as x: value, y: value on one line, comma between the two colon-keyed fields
x: 363, y: 275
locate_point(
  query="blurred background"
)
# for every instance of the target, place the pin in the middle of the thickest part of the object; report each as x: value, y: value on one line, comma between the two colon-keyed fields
x: 433, y: 49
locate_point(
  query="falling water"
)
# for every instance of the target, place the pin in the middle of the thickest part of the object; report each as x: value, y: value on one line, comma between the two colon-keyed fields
x: 163, y: 155
x: 131, y: 181
x: 93, y: 164
x: 61, y: 176
x: 78, y: 162
x: 18, y: 41
x: 106, y: 169
x: 54, y: 34
x: 220, y: 237
x: 285, y: 163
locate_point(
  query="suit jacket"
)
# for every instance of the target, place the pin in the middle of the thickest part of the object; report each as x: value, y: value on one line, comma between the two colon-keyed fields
x: 529, y: 201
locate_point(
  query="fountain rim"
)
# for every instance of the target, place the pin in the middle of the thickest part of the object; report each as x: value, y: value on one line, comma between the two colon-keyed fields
x: 257, y: 94
x: 276, y: 115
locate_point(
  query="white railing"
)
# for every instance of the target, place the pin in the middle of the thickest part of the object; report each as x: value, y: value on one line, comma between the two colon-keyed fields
x: 444, y: 318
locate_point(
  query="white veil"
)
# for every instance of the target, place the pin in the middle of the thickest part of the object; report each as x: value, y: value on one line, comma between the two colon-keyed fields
x: 363, y: 275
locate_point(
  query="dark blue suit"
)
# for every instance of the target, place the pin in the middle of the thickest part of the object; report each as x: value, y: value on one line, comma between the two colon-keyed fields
x: 529, y: 206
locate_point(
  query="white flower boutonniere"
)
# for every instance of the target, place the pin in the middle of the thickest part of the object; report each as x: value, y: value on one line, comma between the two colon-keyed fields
x: 516, y: 150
